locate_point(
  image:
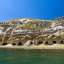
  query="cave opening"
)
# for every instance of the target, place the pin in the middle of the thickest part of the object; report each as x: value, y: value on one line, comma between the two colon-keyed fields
x: 46, y: 42
x: 54, y: 42
x: 4, y: 43
x: 19, y: 44
x: 13, y: 44
x: 31, y: 42
x: 62, y: 42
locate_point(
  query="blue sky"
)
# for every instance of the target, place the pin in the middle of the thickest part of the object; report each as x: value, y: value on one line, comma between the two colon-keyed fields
x: 41, y: 9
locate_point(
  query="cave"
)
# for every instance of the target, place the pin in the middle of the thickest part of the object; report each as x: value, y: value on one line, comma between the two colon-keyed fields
x: 62, y: 42
x: 4, y: 43
x: 40, y: 42
x: 19, y: 44
x: 31, y: 42
x: 13, y: 44
x: 46, y: 42
x: 54, y: 42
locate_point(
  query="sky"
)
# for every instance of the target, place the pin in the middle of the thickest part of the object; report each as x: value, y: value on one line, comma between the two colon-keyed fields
x: 40, y: 9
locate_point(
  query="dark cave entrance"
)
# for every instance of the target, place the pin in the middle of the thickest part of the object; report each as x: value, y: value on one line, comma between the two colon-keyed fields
x: 19, y: 44
x: 31, y: 43
x: 54, y: 42
x: 62, y: 42
x: 4, y: 43
x: 46, y: 42
x: 13, y: 44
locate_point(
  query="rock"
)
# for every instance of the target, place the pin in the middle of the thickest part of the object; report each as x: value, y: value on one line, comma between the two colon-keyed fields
x: 28, y: 30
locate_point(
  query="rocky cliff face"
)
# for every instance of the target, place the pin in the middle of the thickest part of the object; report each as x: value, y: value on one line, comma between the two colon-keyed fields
x: 16, y: 30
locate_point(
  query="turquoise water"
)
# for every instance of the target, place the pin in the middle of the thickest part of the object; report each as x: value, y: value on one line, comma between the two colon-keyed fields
x: 13, y: 56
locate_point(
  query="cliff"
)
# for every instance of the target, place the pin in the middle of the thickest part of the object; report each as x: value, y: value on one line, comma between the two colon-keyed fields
x: 35, y: 31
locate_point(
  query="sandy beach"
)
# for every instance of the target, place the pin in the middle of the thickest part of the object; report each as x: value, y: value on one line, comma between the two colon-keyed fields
x: 42, y: 46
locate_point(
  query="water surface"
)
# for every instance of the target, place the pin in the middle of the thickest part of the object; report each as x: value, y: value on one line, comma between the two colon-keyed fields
x: 13, y: 56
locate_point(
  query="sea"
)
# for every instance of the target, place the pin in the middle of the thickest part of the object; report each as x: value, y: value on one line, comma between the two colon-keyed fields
x: 21, y: 56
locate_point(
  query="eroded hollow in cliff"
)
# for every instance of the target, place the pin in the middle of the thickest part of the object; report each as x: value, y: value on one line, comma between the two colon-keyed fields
x: 40, y: 42
x: 19, y: 44
x: 31, y: 43
x: 62, y: 42
x: 13, y: 44
x: 54, y: 42
x: 4, y: 43
x: 46, y: 42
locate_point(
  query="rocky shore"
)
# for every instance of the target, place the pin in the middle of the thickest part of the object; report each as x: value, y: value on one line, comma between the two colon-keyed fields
x: 28, y: 33
x: 55, y: 46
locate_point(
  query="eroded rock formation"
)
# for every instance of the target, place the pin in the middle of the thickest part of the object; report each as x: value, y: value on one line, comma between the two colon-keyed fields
x: 27, y: 32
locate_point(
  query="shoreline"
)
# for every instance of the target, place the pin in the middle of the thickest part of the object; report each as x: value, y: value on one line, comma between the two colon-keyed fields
x: 55, y: 46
